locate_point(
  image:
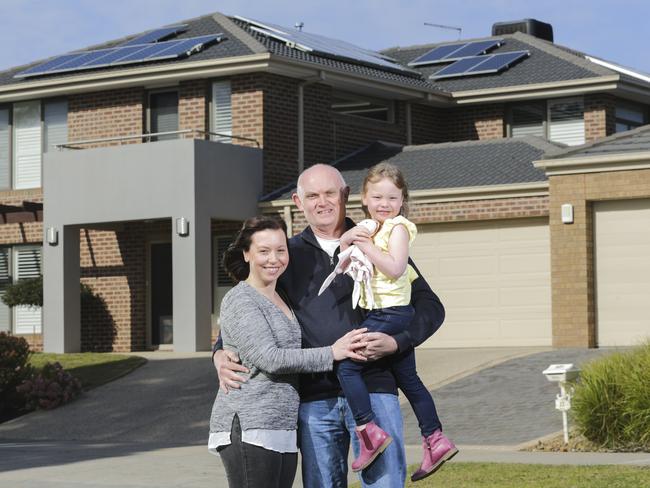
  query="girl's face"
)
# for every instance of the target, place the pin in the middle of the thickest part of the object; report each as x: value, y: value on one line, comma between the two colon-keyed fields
x: 383, y: 199
x: 267, y: 257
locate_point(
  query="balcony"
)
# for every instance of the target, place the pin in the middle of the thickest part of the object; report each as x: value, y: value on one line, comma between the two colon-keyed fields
x: 189, y: 181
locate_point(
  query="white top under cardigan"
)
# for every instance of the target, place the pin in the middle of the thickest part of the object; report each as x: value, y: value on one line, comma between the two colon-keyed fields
x: 269, y: 345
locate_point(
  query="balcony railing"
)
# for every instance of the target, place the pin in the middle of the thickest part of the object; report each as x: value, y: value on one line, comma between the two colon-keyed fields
x: 147, y: 137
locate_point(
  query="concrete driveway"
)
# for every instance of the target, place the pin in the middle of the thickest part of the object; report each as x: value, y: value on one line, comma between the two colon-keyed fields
x: 150, y: 427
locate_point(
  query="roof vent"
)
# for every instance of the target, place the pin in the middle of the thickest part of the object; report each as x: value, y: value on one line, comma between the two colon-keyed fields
x: 532, y: 27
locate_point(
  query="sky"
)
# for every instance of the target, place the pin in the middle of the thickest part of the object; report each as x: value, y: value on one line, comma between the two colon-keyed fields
x: 612, y: 30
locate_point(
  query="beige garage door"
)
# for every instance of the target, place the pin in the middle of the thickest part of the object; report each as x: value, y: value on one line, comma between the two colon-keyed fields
x: 622, y: 262
x: 493, y: 278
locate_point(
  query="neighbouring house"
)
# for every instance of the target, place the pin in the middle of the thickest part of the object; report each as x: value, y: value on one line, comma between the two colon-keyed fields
x: 130, y: 165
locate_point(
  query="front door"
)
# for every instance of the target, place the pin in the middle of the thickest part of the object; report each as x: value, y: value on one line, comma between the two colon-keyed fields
x: 161, y: 294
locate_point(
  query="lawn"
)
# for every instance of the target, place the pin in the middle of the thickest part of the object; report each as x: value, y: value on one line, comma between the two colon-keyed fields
x: 92, y: 368
x: 497, y: 475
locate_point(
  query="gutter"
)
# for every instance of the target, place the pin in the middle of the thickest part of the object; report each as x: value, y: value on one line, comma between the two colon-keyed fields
x: 595, y: 164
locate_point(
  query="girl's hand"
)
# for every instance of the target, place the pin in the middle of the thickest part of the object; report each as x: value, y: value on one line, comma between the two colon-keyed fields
x: 347, y: 346
x: 355, y: 234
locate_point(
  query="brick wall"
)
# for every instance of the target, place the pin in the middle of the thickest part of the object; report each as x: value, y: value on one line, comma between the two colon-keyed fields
x: 572, y: 260
x: 192, y: 106
x: 428, y: 124
x: 600, y: 116
x: 106, y: 114
x: 475, y: 122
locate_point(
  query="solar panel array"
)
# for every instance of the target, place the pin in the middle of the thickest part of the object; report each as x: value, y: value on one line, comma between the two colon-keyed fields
x: 477, y: 65
x: 121, y: 55
x: 453, y: 52
x: 324, y: 46
x: 156, y: 35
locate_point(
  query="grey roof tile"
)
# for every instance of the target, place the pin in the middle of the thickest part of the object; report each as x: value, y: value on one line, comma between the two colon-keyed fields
x: 632, y: 141
x: 448, y: 165
x: 547, y: 63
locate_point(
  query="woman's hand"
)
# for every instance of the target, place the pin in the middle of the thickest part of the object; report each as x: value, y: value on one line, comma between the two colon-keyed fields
x: 347, y: 346
x: 227, y: 365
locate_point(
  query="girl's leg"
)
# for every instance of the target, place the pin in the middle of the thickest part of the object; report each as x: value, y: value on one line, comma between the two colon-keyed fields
x: 354, y: 388
x: 417, y: 394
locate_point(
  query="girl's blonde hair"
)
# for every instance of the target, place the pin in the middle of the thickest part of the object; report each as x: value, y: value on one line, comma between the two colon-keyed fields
x: 392, y: 172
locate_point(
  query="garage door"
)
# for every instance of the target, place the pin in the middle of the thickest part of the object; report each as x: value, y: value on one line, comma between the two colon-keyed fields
x: 622, y: 270
x: 493, y: 278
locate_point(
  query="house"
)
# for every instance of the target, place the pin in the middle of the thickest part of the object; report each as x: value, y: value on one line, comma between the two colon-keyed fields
x: 168, y: 138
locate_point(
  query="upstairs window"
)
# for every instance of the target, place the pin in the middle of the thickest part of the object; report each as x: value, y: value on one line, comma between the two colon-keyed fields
x: 221, y: 111
x: 560, y: 120
x: 629, y: 117
x: 27, y: 131
x: 163, y: 114
x: 345, y: 103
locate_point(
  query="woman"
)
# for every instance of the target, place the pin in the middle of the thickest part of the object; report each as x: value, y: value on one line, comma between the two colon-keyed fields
x: 253, y: 428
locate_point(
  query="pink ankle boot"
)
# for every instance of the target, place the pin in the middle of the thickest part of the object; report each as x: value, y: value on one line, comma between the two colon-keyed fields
x: 437, y: 449
x: 372, y: 441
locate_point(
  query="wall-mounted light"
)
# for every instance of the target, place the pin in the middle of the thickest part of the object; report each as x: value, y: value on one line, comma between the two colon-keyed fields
x: 52, y: 236
x: 567, y: 213
x: 182, y: 227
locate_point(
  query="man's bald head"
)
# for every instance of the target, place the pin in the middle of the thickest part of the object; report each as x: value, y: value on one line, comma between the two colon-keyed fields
x: 319, y: 172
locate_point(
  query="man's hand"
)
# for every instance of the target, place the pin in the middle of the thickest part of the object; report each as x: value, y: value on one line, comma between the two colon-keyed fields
x: 378, y: 345
x: 227, y: 365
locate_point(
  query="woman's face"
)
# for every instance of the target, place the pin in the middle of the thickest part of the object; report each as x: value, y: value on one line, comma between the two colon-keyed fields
x: 267, y: 257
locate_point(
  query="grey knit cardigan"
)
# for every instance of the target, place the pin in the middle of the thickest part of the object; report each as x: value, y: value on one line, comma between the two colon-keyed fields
x: 269, y: 344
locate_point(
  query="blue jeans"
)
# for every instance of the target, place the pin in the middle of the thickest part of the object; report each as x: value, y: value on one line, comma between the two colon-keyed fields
x: 325, y: 428
x: 390, y: 320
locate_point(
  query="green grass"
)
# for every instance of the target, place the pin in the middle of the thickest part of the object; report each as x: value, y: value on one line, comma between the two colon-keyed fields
x: 497, y: 475
x: 92, y: 368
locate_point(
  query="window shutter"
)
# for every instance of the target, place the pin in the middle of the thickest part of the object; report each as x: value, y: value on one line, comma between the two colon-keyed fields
x: 567, y: 121
x: 222, y: 110
x: 5, y: 278
x: 55, y: 117
x: 27, y: 320
x: 528, y: 120
x: 27, y: 145
x: 5, y: 182
x: 164, y: 114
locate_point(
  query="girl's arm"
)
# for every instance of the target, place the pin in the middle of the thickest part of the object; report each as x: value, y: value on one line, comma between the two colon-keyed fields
x: 392, y: 263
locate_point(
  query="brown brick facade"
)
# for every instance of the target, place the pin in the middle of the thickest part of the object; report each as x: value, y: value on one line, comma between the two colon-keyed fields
x: 192, y: 106
x: 572, y: 260
x: 475, y: 122
x: 600, y: 116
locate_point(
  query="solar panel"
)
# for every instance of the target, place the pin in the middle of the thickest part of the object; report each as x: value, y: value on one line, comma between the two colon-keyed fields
x: 156, y: 35
x: 492, y: 63
x: 322, y: 45
x: 453, y: 52
x: 122, y: 55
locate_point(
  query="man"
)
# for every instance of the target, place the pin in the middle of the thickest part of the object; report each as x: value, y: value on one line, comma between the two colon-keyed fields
x: 325, y: 421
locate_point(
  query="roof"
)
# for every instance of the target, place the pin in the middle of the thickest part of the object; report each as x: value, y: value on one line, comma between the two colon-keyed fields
x: 632, y: 141
x: 239, y: 41
x: 548, y: 62
x: 448, y: 165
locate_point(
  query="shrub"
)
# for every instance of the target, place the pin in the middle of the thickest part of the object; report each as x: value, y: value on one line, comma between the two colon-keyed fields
x: 50, y: 387
x: 24, y: 292
x: 14, y: 368
x: 611, y: 404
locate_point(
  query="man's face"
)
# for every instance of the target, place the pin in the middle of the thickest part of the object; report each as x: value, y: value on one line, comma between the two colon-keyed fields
x: 322, y: 198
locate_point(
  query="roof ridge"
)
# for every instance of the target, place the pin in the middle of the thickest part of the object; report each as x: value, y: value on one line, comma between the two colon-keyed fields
x: 442, y: 43
x: 241, y: 34
x: 535, y: 141
x: 598, y: 142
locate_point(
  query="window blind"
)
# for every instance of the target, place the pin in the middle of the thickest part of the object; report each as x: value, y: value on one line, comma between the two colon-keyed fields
x: 27, y: 144
x: 567, y: 121
x: 222, y: 110
x: 27, y: 320
x: 55, y: 121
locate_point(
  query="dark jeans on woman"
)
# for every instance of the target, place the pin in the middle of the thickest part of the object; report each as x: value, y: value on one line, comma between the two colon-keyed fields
x: 249, y: 466
x: 390, y: 320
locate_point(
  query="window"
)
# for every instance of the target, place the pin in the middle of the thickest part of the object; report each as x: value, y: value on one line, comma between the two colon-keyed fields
x: 163, y: 114
x: 20, y: 262
x: 629, y: 117
x: 362, y: 106
x: 221, y: 111
x: 559, y: 120
x: 27, y: 130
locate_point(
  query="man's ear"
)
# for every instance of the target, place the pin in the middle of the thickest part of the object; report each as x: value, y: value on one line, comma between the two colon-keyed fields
x: 297, y: 201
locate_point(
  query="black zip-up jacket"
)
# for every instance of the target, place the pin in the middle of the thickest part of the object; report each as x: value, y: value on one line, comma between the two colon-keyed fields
x: 327, y: 317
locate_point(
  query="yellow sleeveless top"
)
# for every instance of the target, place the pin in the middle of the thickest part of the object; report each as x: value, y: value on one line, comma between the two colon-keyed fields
x: 389, y: 292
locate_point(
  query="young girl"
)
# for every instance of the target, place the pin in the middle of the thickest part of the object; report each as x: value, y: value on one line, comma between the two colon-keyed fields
x: 384, y: 198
